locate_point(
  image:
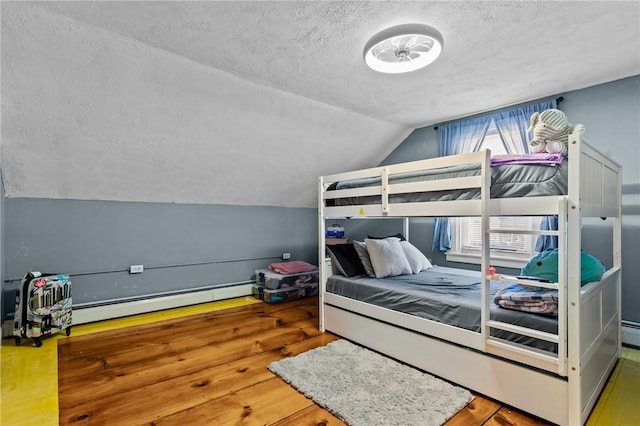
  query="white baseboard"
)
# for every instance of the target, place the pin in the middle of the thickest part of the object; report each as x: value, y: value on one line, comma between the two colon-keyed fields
x: 7, y: 328
x: 124, y: 309
x: 84, y: 315
x: 631, y: 335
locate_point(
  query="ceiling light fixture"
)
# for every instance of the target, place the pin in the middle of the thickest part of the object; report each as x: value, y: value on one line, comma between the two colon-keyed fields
x: 403, y: 48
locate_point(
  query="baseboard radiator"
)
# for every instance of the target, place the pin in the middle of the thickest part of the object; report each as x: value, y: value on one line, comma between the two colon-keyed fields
x: 631, y: 333
x: 92, y: 312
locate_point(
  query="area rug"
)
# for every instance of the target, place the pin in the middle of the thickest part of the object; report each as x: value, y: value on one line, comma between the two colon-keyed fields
x: 362, y: 387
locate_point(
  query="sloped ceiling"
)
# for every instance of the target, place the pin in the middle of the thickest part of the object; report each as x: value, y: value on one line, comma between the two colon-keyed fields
x: 248, y: 102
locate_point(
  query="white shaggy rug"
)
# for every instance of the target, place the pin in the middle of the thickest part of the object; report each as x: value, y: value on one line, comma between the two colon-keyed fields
x: 362, y: 387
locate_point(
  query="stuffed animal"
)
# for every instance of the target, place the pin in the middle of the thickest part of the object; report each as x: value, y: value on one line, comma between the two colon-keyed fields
x: 545, y: 265
x: 551, y: 130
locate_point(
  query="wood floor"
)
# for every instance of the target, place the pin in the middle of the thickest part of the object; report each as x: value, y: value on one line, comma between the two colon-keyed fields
x: 209, y: 369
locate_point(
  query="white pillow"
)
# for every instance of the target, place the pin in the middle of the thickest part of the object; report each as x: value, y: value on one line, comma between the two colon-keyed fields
x: 417, y: 260
x: 363, y: 254
x: 387, y: 257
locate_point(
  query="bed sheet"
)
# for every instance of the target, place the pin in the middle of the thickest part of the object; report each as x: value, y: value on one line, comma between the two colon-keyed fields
x: 447, y: 295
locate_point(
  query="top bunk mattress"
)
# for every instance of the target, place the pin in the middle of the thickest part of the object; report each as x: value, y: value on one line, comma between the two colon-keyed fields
x: 446, y: 295
x: 507, y: 181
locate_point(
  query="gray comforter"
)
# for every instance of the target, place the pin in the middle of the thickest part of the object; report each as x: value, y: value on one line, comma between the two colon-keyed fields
x: 441, y: 295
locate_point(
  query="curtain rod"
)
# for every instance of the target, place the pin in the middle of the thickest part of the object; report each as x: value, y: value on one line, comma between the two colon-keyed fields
x: 558, y: 100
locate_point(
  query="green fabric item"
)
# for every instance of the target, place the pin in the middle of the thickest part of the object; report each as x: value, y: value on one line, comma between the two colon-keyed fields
x: 545, y: 265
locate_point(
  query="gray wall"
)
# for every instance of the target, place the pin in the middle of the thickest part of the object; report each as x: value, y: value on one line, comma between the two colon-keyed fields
x: 611, y: 114
x: 182, y: 246
x: 2, y: 260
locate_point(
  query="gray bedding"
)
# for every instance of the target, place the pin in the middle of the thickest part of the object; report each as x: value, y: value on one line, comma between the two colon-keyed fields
x: 507, y: 181
x: 445, y: 295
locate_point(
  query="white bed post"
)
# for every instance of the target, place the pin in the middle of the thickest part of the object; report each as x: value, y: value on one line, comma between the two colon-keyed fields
x: 562, y: 287
x: 486, y: 248
x: 321, y: 254
x: 574, y: 244
x: 384, y: 187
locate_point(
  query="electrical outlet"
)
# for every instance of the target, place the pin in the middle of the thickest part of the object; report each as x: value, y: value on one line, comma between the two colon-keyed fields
x: 286, y: 256
x: 136, y: 269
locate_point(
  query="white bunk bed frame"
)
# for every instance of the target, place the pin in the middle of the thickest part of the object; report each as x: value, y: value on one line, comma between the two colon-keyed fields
x: 562, y: 387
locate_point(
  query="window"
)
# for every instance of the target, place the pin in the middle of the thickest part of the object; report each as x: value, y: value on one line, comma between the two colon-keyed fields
x: 509, y: 250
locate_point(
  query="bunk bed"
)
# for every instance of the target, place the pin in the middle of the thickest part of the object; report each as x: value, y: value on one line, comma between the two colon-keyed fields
x: 560, y: 383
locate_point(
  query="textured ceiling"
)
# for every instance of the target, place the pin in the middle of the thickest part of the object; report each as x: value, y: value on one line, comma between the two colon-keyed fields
x: 496, y: 53
x: 247, y: 103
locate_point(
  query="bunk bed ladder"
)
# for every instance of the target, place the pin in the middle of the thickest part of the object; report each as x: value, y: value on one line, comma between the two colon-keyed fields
x: 555, y: 363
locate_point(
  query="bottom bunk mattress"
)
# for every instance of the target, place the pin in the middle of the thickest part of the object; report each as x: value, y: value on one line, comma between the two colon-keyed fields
x: 447, y: 295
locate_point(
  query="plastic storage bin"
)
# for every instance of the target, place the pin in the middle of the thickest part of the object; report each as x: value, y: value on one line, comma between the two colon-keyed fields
x: 272, y: 280
x: 285, y: 294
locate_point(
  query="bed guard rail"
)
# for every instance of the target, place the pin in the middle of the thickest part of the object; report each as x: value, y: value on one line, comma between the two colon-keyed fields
x: 384, y: 182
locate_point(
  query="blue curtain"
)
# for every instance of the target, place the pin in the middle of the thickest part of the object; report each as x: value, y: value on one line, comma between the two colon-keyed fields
x: 512, y: 125
x: 456, y: 138
x: 519, y: 133
x: 467, y: 136
x: 547, y: 242
x: 462, y: 136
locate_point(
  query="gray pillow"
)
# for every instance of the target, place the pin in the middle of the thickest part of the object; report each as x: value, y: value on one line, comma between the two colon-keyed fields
x: 417, y: 260
x: 345, y: 260
x: 363, y: 254
x: 387, y: 257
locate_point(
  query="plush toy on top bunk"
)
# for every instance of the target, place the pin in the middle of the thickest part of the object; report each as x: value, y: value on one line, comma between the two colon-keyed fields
x: 551, y: 130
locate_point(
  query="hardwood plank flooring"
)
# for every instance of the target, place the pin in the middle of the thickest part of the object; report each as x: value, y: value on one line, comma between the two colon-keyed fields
x: 209, y: 369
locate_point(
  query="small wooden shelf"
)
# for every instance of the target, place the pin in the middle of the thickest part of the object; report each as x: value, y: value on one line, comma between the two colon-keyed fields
x: 330, y: 241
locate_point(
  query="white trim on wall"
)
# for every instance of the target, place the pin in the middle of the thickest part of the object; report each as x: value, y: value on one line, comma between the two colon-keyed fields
x: 118, y: 310
x: 88, y: 314
x: 631, y: 333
